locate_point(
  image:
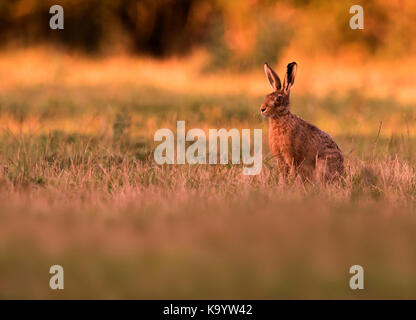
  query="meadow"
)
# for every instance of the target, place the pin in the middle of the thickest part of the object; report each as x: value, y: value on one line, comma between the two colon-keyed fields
x: 79, y: 186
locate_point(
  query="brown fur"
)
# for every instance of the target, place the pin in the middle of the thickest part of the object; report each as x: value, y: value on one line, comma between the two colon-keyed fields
x: 299, y: 146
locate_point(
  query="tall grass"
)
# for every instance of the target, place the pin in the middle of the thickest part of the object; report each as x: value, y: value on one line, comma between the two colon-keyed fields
x: 127, y: 228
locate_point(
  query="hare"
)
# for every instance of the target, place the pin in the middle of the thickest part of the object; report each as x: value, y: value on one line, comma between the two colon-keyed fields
x: 300, y: 147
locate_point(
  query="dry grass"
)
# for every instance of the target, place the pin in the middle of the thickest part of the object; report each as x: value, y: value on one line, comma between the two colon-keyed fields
x: 79, y: 188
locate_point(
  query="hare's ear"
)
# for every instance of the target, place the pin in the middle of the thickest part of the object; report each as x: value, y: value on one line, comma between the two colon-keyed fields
x: 272, y: 77
x: 290, y: 77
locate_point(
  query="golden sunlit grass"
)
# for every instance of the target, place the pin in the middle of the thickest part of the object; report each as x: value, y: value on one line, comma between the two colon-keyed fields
x: 79, y: 186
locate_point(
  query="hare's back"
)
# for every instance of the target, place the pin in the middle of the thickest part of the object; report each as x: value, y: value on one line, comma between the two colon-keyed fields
x: 321, y: 141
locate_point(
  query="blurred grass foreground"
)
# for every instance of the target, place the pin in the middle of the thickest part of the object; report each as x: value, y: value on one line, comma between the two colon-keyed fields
x: 79, y: 186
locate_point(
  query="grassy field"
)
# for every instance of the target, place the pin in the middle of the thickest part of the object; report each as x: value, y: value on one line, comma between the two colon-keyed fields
x: 79, y: 186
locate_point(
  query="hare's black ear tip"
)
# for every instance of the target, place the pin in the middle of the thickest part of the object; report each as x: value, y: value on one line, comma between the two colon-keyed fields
x: 292, y: 64
x: 266, y: 64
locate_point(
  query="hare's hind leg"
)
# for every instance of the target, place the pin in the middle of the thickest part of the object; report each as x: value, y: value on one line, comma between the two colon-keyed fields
x: 321, y: 170
x: 329, y: 167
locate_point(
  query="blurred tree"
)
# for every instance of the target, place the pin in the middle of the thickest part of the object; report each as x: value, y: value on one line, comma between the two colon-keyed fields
x: 157, y: 27
x: 238, y: 34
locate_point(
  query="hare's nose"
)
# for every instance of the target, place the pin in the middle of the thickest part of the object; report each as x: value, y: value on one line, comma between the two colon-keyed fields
x: 263, y: 108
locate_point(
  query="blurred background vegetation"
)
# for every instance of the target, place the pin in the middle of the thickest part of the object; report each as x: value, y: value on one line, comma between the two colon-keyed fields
x: 79, y: 187
x: 238, y: 34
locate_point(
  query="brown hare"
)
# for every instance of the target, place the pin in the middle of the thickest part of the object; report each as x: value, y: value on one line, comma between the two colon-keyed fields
x: 300, y: 147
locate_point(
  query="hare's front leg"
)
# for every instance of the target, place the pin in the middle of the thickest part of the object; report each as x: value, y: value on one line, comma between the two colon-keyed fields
x: 284, y: 167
